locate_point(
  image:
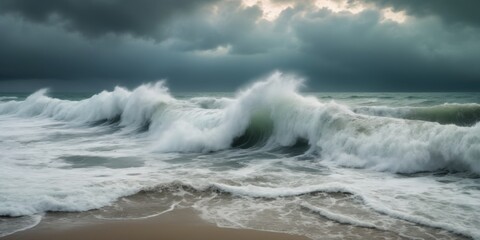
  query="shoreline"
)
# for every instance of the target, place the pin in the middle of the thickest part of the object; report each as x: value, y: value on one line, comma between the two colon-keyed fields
x: 178, y: 224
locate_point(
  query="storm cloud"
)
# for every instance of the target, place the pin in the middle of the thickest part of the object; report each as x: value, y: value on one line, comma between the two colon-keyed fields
x: 220, y: 45
x: 97, y: 17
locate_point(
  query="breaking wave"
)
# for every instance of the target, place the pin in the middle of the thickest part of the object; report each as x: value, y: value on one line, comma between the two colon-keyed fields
x: 273, y: 114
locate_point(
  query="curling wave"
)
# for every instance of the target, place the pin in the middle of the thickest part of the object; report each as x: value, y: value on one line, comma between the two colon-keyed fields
x: 272, y: 114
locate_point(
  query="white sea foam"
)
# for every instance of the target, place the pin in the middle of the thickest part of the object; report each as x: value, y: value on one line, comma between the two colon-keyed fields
x: 171, y: 208
x: 19, y: 224
x: 367, y: 197
x: 338, y: 217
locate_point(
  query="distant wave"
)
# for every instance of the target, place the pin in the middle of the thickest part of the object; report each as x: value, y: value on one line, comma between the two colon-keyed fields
x: 448, y: 113
x: 273, y: 114
x: 7, y: 98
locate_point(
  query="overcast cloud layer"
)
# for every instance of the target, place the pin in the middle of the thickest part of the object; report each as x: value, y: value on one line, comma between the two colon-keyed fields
x: 355, y: 45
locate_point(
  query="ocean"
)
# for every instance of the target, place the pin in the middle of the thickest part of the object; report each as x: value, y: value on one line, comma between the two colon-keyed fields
x: 268, y: 156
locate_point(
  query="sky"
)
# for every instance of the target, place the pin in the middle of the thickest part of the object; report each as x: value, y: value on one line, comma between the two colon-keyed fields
x: 220, y: 45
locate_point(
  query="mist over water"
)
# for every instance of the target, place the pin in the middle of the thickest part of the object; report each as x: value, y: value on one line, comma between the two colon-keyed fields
x: 396, y: 165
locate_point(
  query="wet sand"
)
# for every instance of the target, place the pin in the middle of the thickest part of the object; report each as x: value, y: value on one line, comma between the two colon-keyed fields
x: 178, y: 224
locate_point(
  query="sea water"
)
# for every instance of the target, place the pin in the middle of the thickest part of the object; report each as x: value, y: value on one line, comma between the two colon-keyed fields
x: 269, y: 156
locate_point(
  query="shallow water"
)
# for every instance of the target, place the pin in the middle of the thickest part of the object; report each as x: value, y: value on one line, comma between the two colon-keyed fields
x: 323, y: 165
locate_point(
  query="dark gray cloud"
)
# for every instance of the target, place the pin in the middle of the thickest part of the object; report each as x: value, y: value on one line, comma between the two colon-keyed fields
x: 460, y: 11
x: 34, y: 55
x: 98, y: 17
x: 356, y: 49
x: 222, y: 45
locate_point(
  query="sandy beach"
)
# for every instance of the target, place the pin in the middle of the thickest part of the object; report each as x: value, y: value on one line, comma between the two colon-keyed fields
x: 178, y: 224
